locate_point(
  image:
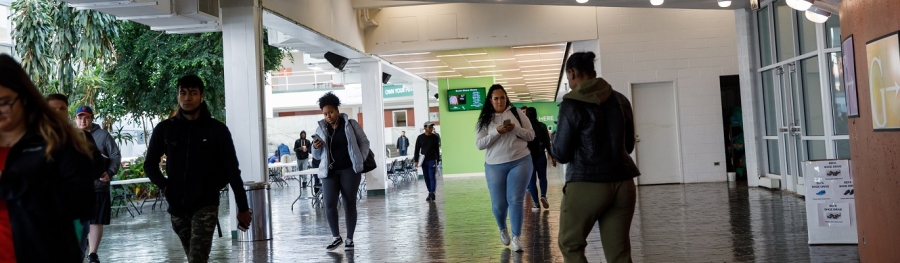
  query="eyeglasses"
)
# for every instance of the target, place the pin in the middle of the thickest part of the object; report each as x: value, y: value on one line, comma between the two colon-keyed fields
x: 6, y: 107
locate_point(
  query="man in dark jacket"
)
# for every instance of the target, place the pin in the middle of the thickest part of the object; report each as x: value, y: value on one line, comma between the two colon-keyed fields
x: 595, y: 136
x: 428, y: 145
x: 402, y: 143
x: 112, y: 158
x: 301, y: 147
x: 200, y: 161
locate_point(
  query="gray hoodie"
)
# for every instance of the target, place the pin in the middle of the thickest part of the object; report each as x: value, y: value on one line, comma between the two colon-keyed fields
x: 357, y: 142
x: 110, y: 150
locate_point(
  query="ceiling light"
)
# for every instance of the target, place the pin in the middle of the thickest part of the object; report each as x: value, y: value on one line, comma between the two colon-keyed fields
x: 551, y: 45
x: 489, y: 66
x: 444, y: 66
x: 801, y: 5
x: 540, y: 70
x: 500, y: 70
x: 540, y: 74
x: 435, y: 72
x: 460, y: 55
x: 509, y: 78
x: 539, y: 60
x: 408, y: 54
x: 545, y: 53
x: 482, y: 76
x: 724, y: 3
x: 581, y: 1
x: 817, y: 15
x: 417, y: 61
x: 656, y: 2
x: 490, y: 60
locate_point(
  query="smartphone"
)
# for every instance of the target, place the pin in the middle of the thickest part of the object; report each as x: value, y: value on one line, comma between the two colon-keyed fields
x: 507, y: 121
x: 241, y: 227
x: 316, y: 137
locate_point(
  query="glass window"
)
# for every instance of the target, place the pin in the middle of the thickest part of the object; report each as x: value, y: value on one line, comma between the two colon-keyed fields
x: 6, y: 50
x: 807, y: 32
x: 833, y: 31
x: 784, y: 33
x: 842, y: 149
x: 815, y: 150
x: 838, y: 95
x: 5, y: 25
x: 812, y: 97
x: 765, y: 37
x: 768, y: 81
x: 774, y: 159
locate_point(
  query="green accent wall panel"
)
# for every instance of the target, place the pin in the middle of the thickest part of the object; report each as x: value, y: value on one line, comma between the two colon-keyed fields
x: 460, y: 156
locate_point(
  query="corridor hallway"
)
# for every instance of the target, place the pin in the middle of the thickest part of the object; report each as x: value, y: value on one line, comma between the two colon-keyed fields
x: 711, y: 222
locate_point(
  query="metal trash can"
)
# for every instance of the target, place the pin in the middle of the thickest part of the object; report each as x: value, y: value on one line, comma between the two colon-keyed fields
x: 261, y: 224
x: 731, y: 176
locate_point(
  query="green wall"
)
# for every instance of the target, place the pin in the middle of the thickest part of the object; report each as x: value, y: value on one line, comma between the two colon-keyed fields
x: 546, y: 111
x: 460, y: 155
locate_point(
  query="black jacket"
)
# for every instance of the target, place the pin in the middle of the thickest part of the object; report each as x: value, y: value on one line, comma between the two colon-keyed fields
x: 301, y: 155
x: 429, y: 146
x: 595, y: 134
x: 45, y: 197
x: 200, y: 161
x: 541, y: 141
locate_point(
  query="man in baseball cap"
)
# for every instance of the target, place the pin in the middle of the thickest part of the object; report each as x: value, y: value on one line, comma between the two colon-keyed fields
x: 429, y: 145
x: 112, y: 158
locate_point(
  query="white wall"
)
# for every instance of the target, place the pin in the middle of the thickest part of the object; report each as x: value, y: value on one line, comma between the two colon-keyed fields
x: 692, y: 48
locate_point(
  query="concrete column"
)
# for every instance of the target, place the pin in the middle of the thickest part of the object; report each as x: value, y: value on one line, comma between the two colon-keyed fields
x: 420, y: 106
x: 751, y: 100
x: 242, y: 45
x: 373, y: 120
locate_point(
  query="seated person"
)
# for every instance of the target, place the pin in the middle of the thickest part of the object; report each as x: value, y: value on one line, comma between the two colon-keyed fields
x: 273, y: 159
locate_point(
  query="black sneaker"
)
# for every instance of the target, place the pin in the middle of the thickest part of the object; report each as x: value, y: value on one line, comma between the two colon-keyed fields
x: 93, y: 258
x: 349, y: 244
x: 431, y: 196
x: 335, y: 243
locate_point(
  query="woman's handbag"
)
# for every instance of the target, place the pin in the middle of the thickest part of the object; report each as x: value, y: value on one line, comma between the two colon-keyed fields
x: 369, y: 164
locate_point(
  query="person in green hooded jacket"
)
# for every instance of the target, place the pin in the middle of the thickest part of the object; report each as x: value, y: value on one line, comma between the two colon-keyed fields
x: 594, y: 138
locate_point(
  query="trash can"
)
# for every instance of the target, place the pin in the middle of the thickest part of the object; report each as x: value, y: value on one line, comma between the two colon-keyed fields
x: 261, y: 224
x: 731, y: 176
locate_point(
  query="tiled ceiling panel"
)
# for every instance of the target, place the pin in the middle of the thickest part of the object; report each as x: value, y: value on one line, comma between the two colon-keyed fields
x: 529, y: 73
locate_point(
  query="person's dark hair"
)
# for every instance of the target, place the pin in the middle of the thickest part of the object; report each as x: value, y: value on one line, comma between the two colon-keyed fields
x: 487, y: 112
x: 191, y: 81
x: 583, y: 62
x: 59, y: 97
x: 302, y: 132
x: 329, y: 99
x: 532, y: 116
x: 53, y: 127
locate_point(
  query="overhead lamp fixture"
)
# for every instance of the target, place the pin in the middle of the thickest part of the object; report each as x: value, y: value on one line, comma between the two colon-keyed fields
x: 724, y: 3
x: 656, y: 2
x: 817, y: 14
x: 336, y: 60
x: 800, y: 5
x: 581, y: 1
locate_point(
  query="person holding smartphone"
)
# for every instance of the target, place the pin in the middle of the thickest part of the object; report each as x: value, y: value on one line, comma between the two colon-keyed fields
x: 504, y: 132
x: 200, y: 161
x: 342, y: 146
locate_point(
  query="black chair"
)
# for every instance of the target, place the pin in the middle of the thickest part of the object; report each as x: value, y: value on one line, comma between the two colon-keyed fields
x: 160, y: 198
x: 122, y: 197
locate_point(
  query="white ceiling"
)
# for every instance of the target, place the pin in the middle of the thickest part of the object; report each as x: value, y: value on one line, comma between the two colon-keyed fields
x: 682, y: 4
x: 529, y: 73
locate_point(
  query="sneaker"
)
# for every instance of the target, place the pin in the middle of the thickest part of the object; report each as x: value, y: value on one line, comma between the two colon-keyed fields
x: 535, y: 208
x: 337, y: 241
x: 427, y: 199
x: 516, y: 244
x: 349, y: 244
x: 93, y: 258
x: 544, y: 202
x: 504, y: 237
x: 431, y: 195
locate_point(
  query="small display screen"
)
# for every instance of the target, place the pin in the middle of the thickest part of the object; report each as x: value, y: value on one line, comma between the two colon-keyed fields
x: 465, y: 99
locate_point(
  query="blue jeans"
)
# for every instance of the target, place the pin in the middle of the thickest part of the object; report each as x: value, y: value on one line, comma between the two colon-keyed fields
x: 540, y: 174
x: 402, y: 152
x: 428, y: 173
x: 506, y: 184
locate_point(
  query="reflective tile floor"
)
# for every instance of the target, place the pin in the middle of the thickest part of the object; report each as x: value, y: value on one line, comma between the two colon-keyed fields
x: 712, y: 222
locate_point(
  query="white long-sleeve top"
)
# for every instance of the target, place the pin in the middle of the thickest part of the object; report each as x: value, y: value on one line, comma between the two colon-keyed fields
x: 507, y: 147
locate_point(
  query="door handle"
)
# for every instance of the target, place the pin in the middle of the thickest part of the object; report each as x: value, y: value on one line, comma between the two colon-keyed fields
x: 795, y: 130
x: 783, y: 129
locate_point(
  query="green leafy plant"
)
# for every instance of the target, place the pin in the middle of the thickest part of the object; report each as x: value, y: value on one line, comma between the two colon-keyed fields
x: 123, y: 138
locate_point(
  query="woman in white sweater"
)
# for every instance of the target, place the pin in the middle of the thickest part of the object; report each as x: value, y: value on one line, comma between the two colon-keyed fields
x: 504, y: 132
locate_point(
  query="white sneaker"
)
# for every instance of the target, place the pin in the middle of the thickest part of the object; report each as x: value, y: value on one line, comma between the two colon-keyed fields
x: 504, y: 237
x: 535, y: 208
x: 516, y: 245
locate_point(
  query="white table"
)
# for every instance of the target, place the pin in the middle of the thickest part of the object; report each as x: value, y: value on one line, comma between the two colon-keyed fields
x: 130, y: 181
x: 282, y: 165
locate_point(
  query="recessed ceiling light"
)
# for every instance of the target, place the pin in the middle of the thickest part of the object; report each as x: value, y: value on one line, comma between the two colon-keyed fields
x: 501, y: 70
x: 491, y: 60
x: 460, y: 55
x: 416, y: 61
x: 407, y: 54
x: 800, y: 5
x: 581, y: 1
x: 545, y: 53
x: 539, y: 74
x: 656, y: 2
x: 724, y: 3
x: 539, y: 60
x: 436, y: 72
x: 488, y: 66
x: 444, y: 66
x: 509, y: 78
x: 482, y: 76
x: 550, y: 45
x: 540, y: 70
x: 817, y: 15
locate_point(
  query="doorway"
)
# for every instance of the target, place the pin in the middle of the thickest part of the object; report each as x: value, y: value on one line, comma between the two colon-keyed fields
x: 733, y: 125
x: 656, y: 131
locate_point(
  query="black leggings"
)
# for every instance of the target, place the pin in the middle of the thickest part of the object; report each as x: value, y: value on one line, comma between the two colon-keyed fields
x: 346, y: 183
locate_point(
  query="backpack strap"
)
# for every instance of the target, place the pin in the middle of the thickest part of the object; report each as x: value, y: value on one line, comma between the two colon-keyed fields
x: 515, y: 113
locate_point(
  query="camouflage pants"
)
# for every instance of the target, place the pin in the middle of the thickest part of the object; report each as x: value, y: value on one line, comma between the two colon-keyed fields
x: 196, y: 233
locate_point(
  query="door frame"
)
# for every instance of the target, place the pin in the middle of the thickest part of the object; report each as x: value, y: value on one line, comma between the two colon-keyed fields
x: 678, y: 140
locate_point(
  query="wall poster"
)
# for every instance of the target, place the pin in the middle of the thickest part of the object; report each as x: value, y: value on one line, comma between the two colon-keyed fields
x: 883, y: 58
x: 849, y: 76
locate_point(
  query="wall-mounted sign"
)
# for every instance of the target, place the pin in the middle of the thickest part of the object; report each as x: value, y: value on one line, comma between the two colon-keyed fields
x: 849, y: 69
x: 830, y: 206
x: 883, y: 58
x: 433, y: 117
x: 396, y: 91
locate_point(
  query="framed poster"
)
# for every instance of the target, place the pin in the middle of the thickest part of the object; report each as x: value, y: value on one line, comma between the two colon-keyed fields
x: 849, y: 69
x: 883, y: 58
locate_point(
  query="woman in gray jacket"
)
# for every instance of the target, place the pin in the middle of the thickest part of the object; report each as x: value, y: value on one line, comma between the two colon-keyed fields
x: 340, y: 143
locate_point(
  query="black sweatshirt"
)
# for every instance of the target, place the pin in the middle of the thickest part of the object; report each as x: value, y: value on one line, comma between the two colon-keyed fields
x: 430, y: 146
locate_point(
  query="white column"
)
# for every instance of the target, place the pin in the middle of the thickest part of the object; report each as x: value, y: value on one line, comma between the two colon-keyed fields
x: 420, y: 105
x: 373, y: 123
x: 754, y: 144
x: 242, y: 48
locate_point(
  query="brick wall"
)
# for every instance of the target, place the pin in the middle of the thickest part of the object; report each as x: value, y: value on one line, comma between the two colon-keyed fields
x: 690, y: 47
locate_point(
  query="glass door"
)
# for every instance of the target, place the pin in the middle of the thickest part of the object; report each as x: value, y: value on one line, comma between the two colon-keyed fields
x: 789, y: 125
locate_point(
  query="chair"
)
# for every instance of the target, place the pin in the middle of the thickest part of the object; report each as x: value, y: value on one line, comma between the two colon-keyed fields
x: 160, y: 196
x: 121, y: 198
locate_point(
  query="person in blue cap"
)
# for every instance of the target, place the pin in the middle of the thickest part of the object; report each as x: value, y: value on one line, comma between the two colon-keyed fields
x: 112, y: 157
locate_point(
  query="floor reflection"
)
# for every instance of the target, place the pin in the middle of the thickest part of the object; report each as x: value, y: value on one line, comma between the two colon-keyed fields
x: 712, y: 222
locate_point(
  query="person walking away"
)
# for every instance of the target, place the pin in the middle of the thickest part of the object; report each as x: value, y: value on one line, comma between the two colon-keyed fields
x: 342, y: 146
x: 402, y: 143
x: 84, y: 118
x: 595, y: 137
x: 428, y: 145
x: 504, y: 132
x: 46, y: 174
x: 540, y: 153
x: 194, y: 180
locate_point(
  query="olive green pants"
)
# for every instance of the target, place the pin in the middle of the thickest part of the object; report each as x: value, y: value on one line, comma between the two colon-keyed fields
x: 611, y: 205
